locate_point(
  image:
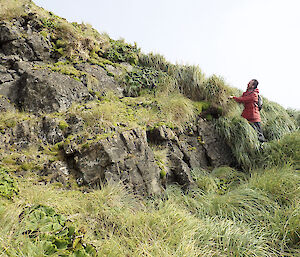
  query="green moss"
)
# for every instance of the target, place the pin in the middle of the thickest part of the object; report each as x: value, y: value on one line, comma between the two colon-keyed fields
x: 65, y: 68
x: 49, y: 23
x: 208, y: 117
x: 163, y: 173
x: 60, y: 43
x: 44, y: 33
x: 201, y: 106
x: 63, y: 125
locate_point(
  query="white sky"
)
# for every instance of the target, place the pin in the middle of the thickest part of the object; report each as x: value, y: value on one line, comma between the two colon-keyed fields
x: 236, y: 39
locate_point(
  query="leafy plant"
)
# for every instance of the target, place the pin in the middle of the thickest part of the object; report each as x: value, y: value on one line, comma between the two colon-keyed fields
x: 142, y: 78
x: 119, y: 51
x: 58, y: 234
x: 8, y: 185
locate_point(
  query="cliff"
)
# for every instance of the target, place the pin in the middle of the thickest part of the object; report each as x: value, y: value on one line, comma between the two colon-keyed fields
x: 107, y: 151
x: 58, y: 94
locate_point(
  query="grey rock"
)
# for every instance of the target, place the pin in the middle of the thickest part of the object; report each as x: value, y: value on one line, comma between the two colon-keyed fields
x: 5, y: 77
x: 57, y: 171
x: 40, y: 90
x: 218, y: 152
x: 28, y: 44
x: 123, y: 157
x: 23, y: 135
x: 50, y: 131
x: 103, y: 82
x: 5, y: 104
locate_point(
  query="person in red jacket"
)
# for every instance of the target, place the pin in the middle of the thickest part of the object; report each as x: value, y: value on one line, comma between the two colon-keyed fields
x: 251, y: 112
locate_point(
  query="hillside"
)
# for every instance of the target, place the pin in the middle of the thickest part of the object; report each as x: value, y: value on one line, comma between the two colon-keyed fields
x: 107, y: 151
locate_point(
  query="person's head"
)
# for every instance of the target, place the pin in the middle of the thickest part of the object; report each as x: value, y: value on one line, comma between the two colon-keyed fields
x: 253, y: 83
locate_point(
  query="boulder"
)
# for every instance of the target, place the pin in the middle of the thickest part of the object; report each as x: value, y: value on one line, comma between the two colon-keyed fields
x: 41, y: 90
x: 103, y: 82
x: 218, y: 152
x: 30, y: 45
x: 124, y: 157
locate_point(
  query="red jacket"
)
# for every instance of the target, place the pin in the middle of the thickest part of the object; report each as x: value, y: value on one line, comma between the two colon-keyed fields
x: 249, y: 99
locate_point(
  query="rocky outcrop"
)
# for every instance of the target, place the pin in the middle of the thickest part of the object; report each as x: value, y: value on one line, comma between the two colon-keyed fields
x: 29, y: 83
x: 42, y: 90
x: 102, y: 82
x: 124, y: 156
x: 199, y: 147
x: 21, y: 37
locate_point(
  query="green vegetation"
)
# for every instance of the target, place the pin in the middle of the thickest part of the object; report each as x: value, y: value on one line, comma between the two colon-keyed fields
x: 119, y: 51
x: 226, y: 214
x: 8, y: 185
x: 250, y: 210
x: 143, y: 78
x: 54, y: 231
x: 144, y: 111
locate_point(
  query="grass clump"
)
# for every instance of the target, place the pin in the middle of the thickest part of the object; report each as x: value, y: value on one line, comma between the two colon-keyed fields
x: 242, y: 139
x: 13, y: 8
x: 144, y: 111
x: 295, y: 114
x: 276, y: 121
x: 281, y: 152
x: 249, y: 218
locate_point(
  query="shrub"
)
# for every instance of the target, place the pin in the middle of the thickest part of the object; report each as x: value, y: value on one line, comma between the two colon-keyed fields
x: 119, y: 51
x: 142, y: 78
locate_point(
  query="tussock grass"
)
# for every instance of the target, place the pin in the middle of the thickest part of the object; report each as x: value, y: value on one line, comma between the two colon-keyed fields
x: 156, y: 61
x: 278, y: 127
x: 282, y: 185
x: 13, y: 8
x: 242, y: 139
x: 281, y: 152
x: 294, y: 114
x: 250, y: 219
x: 276, y: 121
x: 173, y: 110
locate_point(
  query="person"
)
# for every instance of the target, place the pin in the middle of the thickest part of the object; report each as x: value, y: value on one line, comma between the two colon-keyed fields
x: 251, y: 111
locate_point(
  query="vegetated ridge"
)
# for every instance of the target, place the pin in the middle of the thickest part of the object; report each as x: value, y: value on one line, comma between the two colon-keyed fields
x: 109, y: 151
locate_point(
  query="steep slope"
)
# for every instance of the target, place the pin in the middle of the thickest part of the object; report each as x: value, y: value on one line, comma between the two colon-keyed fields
x: 89, y: 124
x: 78, y: 104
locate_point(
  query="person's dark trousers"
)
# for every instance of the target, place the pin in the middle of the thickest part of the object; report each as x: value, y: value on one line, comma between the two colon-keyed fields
x: 257, y: 127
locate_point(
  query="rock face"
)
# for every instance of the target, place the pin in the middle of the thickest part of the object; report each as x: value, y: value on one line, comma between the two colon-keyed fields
x: 102, y: 83
x: 48, y: 91
x: 28, y: 85
x: 124, y: 157
x: 129, y: 156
